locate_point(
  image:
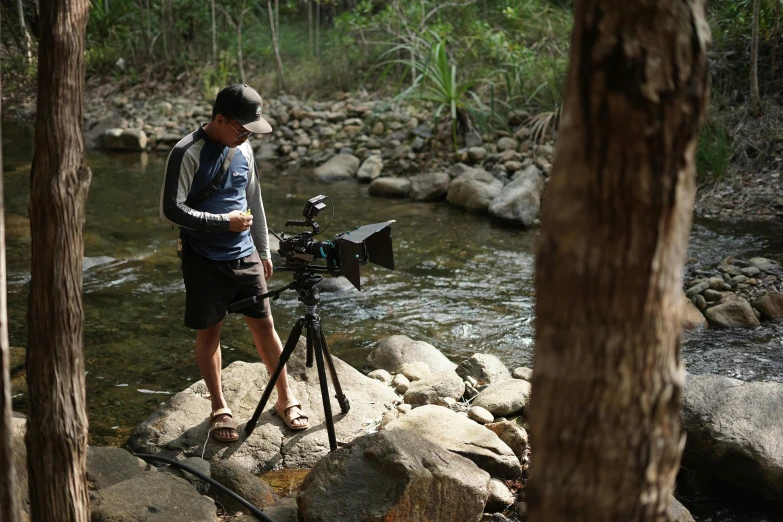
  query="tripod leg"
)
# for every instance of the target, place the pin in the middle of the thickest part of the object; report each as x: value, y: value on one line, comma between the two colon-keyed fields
x: 314, y: 332
x: 309, y: 356
x: 290, y: 344
x: 341, y: 398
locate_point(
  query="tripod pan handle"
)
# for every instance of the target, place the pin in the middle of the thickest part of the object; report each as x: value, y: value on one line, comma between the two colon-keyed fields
x: 233, y: 307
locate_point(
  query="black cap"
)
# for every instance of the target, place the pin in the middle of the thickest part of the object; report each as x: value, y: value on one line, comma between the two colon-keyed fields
x: 242, y: 103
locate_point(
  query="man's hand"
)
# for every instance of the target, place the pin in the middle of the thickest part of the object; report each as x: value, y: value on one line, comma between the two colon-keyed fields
x: 267, y: 263
x: 239, y: 222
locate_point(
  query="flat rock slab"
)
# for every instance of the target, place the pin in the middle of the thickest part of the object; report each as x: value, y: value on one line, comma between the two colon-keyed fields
x: 462, y: 436
x: 179, y: 428
x: 735, y: 431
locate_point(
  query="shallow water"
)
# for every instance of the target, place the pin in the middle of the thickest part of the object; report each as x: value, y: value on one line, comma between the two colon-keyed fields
x: 462, y: 283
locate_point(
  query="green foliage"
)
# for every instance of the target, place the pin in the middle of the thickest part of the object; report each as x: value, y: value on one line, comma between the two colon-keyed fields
x: 714, y: 147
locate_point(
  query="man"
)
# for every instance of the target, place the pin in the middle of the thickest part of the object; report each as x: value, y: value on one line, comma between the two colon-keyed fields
x: 225, y: 248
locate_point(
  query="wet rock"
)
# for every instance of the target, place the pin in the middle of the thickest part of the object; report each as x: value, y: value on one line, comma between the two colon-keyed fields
x: 125, y: 139
x: 763, y: 264
x: 371, y: 168
x: 435, y: 385
x: 334, y: 284
x: 432, y: 186
x: 390, y: 187
x: 504, y: 397
x: 474, y: 190
x: 520, y: 200
x: 484, y: 367
x: 734, y: 312
x: 340, y: 167
x: 750, y: 271
x: 771, y: 306
x: 394, y: 475
x: 243, y: 483
x: 391, y: 353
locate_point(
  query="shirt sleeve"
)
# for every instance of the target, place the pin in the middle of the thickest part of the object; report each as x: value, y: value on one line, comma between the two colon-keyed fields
x: 259, y: 229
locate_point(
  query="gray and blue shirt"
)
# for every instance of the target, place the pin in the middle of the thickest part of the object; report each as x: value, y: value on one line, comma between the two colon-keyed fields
x: 192, y: 164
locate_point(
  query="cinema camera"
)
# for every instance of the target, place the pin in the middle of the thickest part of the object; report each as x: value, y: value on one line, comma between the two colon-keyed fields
x: 342, y: 256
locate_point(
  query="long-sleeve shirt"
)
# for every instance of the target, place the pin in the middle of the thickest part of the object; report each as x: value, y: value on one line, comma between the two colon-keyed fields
x: 192, y: 164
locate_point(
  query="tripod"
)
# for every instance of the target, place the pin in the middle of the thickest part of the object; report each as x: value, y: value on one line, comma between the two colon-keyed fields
x: 305, y: 283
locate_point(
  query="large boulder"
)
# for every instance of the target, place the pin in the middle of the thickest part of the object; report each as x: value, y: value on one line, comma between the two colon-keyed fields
x: 178, y: 429
x: 504, y: 397
x: 520, y: 200
x: 484, y: 367
x: 125, y: 139
x: 243, y: 483
x: 391, y: 353
x: 151, y: 497
x: 390, y: 188
x: 735, y: 431
x: 111, y: 465
x: 430, y: 186
x: 733, y: 312
x: 462, y: 436
x: 370, y: 169
x: 771, y: 306
x: 474, y: 190
x: 692, y: 317
x: 393, y: 476
x: 338, y: 168
x: 434, y: 386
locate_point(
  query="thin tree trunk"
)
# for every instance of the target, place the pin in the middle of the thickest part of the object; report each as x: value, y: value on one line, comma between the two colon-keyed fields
x: 214, y: 35
x: 310, y: 25
x: 25, y: 33
x: 608, y: 378
x: 755, y: 97
x: 9, y: 505
x: 57, y: 418
x: 239, y: 42
x: 279, y: 62
x: 318, y: 27
x: 776, y: 33
x: 277, y: 20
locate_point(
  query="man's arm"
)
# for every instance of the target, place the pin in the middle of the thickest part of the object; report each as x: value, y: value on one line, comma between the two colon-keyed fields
x: 259, y: 229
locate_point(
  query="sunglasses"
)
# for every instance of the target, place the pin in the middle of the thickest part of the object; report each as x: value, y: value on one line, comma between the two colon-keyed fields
x: 240, y: 134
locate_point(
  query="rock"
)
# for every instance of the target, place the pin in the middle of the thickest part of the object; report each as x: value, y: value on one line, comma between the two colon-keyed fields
x: 770, y: 305
x: 266, y: 152
x: 378, y: 129
x: 393, y: 475
x: 712, y: 295
x: 243, y: 483
x: 500, y: 497
x: 94, y: 137
x: 480, y: 415
x: 750, y: 271
x: 151, y: 497
x: 679, y: 513
x: 446, y: 402
x: 333, y: 284
x: 400, y: 383
x: 462, y: 436
x: 197, y: 464
x: 504, y: 397
x: 474, y: 190
x: 125, y: 139
x: 484, y: 367
x: 178, y: 429
x: 514, y: 435
x: 338, y: 168
x: 390, y: 187
x: 763, y: 264
x: 734, y: 312
x: 431, y: 186
x: 391, y: 353
x: 415, y: 371
x: 697, y: 289
x: 506, y: 144
x: 735, y: 431
x: 692, y: 317
x: 19, y: 456
x: 284, y: 510
x: 699, y: 301
x: 110, y: 465
x: 380, y: 375
x: 522, y: 373
x: 520, y: 200
x: 435, y: 385
x: 370, y: 169
x: 476, y: 154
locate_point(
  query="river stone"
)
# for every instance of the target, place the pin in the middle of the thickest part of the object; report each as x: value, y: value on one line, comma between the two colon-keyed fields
x: 500, y: 497
x: 390, y: 188
x: 712, y: 295
x: 484, y: 367
x: 110, y: 465
x: 197, y: 464
x: 692, y: 316
x: 514, y: 435
x: 520, y: 201
x: 734, y: 312
x: 474, y: 190
x: 750, y: 271
x: 266, y: 152
x: 415, y: 371
x: 522, y: 373
x: 763, y: 264
x: 400, y: 384
x: 476, y: 154
x: 284, y: 510
x: 506, y: 143
x: 431, y: 186
x: 679, y: 513
x: 125, y: 139
x: 19, y: 455
x: 434, y: 386
x: 338, y: 168
x: 380, y: 375
x: 329, y: 284
x: 371, y: 168
x: 504, y: 397
x: 393, y: 475
x: 178, y: 429
x: 391, y: 353
x: 151, y: 497
x: 735, y: 431
x: 461, y: 435
x: 770, y: 305
x: 697, y: 289
x: 243, y: 483
x: 480, y: 415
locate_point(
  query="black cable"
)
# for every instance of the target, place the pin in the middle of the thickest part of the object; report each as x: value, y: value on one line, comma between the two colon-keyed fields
x: 253, y: 510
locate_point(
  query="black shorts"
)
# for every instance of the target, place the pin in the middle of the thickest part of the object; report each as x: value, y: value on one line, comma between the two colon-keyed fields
x: 210, y: 286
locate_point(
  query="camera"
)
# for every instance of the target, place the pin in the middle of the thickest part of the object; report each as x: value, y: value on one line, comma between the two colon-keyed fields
x: 344, y: 254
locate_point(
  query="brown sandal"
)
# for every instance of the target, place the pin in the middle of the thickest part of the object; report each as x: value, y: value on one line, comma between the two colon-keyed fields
x: 224, y: 424
x: 282, y: 411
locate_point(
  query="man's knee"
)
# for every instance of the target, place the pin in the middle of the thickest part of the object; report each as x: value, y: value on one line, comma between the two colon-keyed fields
x: 262, y: 326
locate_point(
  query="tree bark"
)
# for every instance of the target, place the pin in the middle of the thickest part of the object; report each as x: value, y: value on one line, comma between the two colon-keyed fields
x: 775, y: 37
x: 240, y: 58
x: 25, y: 33
x: 57, y: 418
x: 9, y: 505
x: 214, y: 35
x: 755, y: 97
x: 310, y: 26
x: 617, y: 213
x: 279, y: 62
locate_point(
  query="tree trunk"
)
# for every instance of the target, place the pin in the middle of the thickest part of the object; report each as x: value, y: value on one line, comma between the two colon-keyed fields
x: 57, y: 419
x: 9, y: 504
x: 310, y: 25
x: 775, y: 37
x: 318, y: 27
x: 214, y: 35
x: 280, y: 76
x: 755, y: 97
x: 240, y: 59
x: 25, y: 33
x: 617, y: 213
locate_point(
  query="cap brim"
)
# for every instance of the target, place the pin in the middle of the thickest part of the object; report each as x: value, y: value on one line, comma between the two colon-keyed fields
x: 259, y: 126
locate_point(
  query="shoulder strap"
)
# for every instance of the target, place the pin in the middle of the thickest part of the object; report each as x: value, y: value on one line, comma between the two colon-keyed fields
x: 213, y: 185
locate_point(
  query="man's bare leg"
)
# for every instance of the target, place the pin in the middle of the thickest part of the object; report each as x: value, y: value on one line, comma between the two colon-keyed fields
x: 210, y: 363
x: 269, y: 349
